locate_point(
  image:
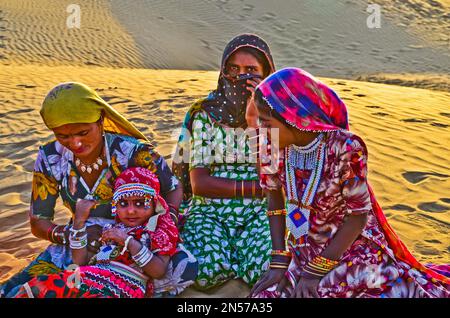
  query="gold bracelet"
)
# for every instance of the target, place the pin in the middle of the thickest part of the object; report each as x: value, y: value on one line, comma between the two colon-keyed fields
x: 278, y: 266
x: 279, y: 263
x: 242, y: 188
x: 320, y: 260
x: 235, y: 186
x: 276, y: 212
x: 312, y: 273
x: 281, y: 253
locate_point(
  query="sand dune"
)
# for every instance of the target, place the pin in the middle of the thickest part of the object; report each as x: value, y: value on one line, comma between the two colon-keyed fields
x: 406, y: 130
x: 327, y: 38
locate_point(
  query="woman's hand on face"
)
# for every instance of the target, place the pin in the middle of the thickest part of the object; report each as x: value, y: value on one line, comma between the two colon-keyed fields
x: 269, y: 278
x: 83, y: 209
x: 306, y: 287
x: 251, y: 113
x: 116, y: 235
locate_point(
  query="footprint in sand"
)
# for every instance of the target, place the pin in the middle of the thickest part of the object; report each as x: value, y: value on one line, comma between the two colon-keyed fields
x: 373, y: 107
x: 415, y: 120
x: 415, y: 177
x: 346, y: 90
x: 381, y: 114
x: 360, y: 95
x: 189, y: 80
x: 205, y: 44
x: 401, y: 207
x: 439, y: 125
x: 446, y: 200
x: 432, y: 207
x: 445, y: 114
x: 248, y: 7
x: 267, y: 16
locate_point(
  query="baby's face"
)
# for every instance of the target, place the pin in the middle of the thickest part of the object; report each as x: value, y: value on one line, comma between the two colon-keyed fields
x: 132, y: 212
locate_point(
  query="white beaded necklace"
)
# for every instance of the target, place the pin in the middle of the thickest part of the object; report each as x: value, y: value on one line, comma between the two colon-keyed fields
x: 310, y: 157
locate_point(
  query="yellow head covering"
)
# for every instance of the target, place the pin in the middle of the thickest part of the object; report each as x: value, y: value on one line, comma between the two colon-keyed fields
x: 75, y: 103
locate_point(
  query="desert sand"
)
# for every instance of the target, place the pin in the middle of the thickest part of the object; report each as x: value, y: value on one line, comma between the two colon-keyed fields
x: 151, y: 60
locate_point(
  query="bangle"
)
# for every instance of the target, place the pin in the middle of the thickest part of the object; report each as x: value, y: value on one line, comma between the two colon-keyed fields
x: 50, y: 229
x: 242, y: 188
x: 276, y: 212
x: 74, y: 232
x: 57, y: 233
x: 278, y: 266
x: 143, y: 257
x: 325, y: 262
x: 308, y: 270
x: 174, y: 216
x: 235, y: 186
x: 78, y: 243
x: 125, y: 245
x: 281, y: 253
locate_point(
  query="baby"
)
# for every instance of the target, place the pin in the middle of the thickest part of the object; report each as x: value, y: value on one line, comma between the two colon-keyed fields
x: 135, y: 250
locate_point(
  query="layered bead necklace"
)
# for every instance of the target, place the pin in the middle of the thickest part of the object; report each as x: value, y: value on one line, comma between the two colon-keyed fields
x: 310, y: 157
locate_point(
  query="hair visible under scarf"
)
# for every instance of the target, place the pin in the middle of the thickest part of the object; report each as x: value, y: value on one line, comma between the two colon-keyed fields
x: 213, y: 105
x: 221, y: 105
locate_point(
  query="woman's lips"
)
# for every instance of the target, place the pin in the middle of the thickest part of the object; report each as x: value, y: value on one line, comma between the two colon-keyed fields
x: 79, y: 150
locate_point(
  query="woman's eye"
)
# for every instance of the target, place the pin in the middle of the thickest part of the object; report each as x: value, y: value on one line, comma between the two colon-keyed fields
x: 122, y: 203
x: 83, y: 133
x: 139, y: 204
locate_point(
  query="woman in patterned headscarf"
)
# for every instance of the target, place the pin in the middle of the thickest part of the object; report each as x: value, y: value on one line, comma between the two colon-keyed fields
x: 339, y: 240
x: 94, y: 144
x: 225, y: 226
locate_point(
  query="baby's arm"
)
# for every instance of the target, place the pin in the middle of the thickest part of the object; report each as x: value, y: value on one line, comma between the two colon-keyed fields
x: 157, y: 266
x: 153, y: 265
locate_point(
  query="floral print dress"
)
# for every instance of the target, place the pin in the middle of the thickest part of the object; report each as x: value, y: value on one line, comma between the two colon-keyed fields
x: 370, y: 267
x: 55, y: 175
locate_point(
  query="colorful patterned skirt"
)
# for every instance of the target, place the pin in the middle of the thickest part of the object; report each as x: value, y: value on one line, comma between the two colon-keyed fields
x: 181, y: 273
x: 112, y: 280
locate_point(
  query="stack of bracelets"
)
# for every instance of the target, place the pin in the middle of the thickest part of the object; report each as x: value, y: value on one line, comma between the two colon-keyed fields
x: 56, y: 234
x: 78, y: 238
x: 143, y: 257
x: 319, y: 266
x: 280, y: 259
x: 241, y: 187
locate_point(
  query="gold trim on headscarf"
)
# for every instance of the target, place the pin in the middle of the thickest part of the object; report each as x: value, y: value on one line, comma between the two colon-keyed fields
x: 76, y: 103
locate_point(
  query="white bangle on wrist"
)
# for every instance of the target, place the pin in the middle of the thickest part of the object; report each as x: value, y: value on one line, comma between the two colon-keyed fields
x: 125, y: 245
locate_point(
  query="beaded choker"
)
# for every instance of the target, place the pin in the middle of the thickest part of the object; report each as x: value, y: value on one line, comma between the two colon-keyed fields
x: 310, y: 157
